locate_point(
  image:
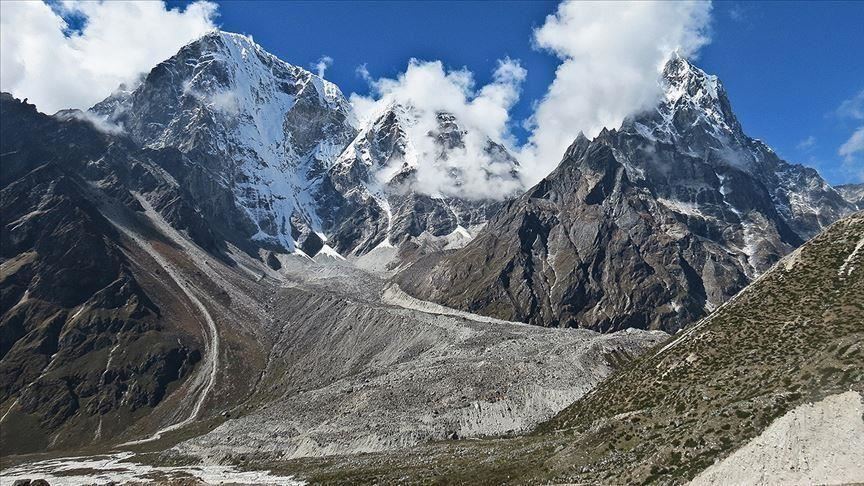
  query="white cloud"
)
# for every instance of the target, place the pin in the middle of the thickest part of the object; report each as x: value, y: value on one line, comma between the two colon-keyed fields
x: 612, y: 54
x: 852, y: 151
x: 484, y: 113
x: 853, y: 107
x: 363, y: 72
x: 807, y: 143
x: 97, y: 121
x: 224, y: 101
x: 322, y: 65
x: 118, y: 42
x: 853, y: 146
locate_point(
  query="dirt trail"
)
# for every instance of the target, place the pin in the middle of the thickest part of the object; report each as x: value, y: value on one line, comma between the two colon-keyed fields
x: 205, y: 378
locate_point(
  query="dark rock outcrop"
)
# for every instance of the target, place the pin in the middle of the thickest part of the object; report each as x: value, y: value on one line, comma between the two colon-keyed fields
x: 81, y: 341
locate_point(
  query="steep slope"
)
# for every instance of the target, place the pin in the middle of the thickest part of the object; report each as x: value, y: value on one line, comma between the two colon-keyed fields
x: 387, y: 205
x: 792, y: 337
x: 696, y: 118
x: 86, y: 341
x: 263, y: 133
x: 123, y: 317
x: 649, y: 226
x: 785, y: 355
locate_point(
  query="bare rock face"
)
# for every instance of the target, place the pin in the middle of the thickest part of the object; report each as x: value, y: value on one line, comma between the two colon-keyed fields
x: 649, y: 226
x: 83, y: 346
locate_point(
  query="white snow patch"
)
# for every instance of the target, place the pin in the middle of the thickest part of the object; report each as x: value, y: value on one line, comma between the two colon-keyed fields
x: 681, y: 207
x: 117, y: 468
x: 328, y: 251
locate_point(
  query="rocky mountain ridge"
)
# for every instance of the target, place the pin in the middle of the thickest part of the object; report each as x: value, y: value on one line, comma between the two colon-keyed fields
x: 87, y: 340
x: 652, y: 225
x: 381, y: 167
x: 281, y: 154
x: 854, y: 193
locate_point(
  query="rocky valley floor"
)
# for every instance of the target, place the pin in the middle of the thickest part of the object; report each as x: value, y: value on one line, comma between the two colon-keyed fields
x: 320, y: 358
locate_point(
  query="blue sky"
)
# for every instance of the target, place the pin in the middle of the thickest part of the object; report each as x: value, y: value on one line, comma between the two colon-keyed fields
x: 787, y: 66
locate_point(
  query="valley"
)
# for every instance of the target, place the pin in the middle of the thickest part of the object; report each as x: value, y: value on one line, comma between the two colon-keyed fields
x: 351, y: 364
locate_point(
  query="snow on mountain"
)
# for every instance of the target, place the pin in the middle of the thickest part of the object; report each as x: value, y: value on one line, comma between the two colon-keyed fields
x: 281, y: 162
x: 416, y: 181
x: 854, y: 193
x: 264, y: 130
x: 692, y: 100
x: 695, y: 120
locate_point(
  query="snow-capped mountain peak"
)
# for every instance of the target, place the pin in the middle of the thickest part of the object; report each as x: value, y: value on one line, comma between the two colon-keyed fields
x: 692, y: 101
x: 264, y: 129
x: 693, y: 152
x: 401, y: 140
x: 404, y: 175
x: 682, y: 79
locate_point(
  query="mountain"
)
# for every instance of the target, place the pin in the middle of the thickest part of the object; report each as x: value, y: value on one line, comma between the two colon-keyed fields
x: 279, y: 161
x: 166, y: 284
x: 379, y: 174
x: 132, y: 238
x: 262, y: 132
x: 126, y: 323
x: 767, y: 389
x: 854, y: 193
x: 650, y: 226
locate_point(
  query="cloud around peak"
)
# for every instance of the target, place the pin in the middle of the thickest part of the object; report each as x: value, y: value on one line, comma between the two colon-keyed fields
x: 611, y: 53
x: 482, y: 112
x: 611, y: 56
x: 58, y: 68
